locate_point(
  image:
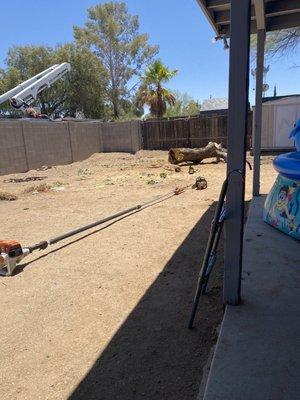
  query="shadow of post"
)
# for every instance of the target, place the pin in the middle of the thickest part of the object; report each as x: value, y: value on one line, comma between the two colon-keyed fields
x: 153, y: 355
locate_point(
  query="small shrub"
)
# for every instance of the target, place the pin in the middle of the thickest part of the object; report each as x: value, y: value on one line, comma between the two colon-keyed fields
x: 43, y: 187
x: 5, y: 196
x: 58, y: 186
x: 84, y: 172
x: 151, y: 182
x: 58, y: 183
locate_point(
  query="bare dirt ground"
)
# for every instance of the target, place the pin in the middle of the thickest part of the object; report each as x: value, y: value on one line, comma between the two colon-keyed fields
x: 104, y: 315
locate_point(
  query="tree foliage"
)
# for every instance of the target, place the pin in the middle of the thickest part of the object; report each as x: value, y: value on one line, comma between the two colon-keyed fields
x: 152, y: 93
x: 86, y: 85
x: 9, y: 78
x: 184, y: 105
x: 81, y: 91
x: 113, y: 36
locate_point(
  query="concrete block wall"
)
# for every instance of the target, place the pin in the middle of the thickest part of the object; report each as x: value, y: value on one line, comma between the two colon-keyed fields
x: 85, y: 139
x: 47, y: 143
x: 136, y: 136
x: 12, y: 148
x: 121, y: 136
x: 30, y: 144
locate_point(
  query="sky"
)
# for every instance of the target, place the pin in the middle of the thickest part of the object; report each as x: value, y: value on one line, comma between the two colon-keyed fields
x: 177, y: 26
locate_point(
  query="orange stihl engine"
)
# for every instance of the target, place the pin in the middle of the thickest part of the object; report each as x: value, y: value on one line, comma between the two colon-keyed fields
x: 11, y: 252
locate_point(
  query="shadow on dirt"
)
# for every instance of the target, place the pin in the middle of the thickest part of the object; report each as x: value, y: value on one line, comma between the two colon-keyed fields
x: 153, y: 355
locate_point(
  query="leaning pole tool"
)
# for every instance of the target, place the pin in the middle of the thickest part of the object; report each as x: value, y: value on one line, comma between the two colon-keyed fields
x: 210, y: 254
x: 11, y: 251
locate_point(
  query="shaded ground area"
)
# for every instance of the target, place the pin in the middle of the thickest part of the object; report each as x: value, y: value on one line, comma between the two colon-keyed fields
x: 105, y: 317
x: 154, y: 355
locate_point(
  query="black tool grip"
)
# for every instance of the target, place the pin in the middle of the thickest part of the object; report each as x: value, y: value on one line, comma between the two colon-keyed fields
x: 39, y: 246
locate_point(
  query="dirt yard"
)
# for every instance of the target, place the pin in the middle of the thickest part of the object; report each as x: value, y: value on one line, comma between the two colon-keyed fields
x: 103, y: 315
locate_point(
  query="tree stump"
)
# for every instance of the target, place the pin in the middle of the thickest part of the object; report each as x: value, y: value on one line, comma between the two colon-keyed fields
x: 179, y: 155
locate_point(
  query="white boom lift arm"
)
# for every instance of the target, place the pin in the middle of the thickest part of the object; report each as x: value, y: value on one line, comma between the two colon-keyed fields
x: 24, y: 94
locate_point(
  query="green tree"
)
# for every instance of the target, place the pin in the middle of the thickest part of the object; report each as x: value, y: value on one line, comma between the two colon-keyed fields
x: 131, y: 109
x: 8, y: 79
x: 86, y: 85
x: 184, y: 105
x: 23, y: 63
x: 113, y: 35
x: 29, y: 60
x: 83, y: 90
x: 152, y: 93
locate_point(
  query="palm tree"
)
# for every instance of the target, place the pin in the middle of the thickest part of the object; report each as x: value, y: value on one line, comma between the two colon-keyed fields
x: 151, y: 91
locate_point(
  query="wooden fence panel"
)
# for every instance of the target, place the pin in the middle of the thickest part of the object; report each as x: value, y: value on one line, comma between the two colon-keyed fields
x: 187, y: 132
x: 164, y: 134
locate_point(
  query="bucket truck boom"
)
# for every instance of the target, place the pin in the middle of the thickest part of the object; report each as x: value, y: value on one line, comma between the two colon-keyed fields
x: 25, y: 93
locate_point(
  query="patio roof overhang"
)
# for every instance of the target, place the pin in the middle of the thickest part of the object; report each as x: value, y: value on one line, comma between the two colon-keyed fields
x: 273, y: 15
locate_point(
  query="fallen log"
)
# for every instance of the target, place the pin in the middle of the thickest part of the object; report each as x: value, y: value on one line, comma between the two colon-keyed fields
x: 179, y: 155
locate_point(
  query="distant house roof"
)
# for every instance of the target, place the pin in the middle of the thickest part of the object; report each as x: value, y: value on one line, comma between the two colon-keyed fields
x: 214, y: 104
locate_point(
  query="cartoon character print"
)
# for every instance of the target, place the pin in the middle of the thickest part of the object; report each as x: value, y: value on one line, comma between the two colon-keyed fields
x: 281, y: 211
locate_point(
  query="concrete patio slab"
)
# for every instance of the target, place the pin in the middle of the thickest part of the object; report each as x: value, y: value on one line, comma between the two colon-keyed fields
x: 258, y: 351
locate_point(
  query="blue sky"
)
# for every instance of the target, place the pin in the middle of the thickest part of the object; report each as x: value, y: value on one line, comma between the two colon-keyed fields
x: 178, y: 26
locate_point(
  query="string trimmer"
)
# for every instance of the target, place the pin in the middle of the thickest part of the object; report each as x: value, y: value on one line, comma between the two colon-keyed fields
x: 11, y: 251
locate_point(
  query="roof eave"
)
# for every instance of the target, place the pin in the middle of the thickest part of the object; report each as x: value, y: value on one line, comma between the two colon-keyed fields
x: 208, y: 16
x: 271, y: 15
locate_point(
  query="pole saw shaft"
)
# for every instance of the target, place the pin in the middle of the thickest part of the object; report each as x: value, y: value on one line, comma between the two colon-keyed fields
x: 45, y: 243
x: 11, y: 252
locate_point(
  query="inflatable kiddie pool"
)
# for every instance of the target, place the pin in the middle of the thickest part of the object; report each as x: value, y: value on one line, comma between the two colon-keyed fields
x: 282, y: 206
x: 288, y: 165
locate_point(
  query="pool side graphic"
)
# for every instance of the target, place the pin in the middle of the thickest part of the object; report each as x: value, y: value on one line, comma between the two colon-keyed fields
x: 282, y: 206
x: 295, y: 135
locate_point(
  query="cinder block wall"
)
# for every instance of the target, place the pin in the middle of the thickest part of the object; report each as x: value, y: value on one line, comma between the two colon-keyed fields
x: 12, y: 148
x: 30, y: 144
x: 47, y: 143
x: 121, y: 136
x: 85, y: 139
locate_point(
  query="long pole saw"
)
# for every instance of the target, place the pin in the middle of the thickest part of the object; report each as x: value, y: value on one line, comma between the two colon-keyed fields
x: 11, y: 251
